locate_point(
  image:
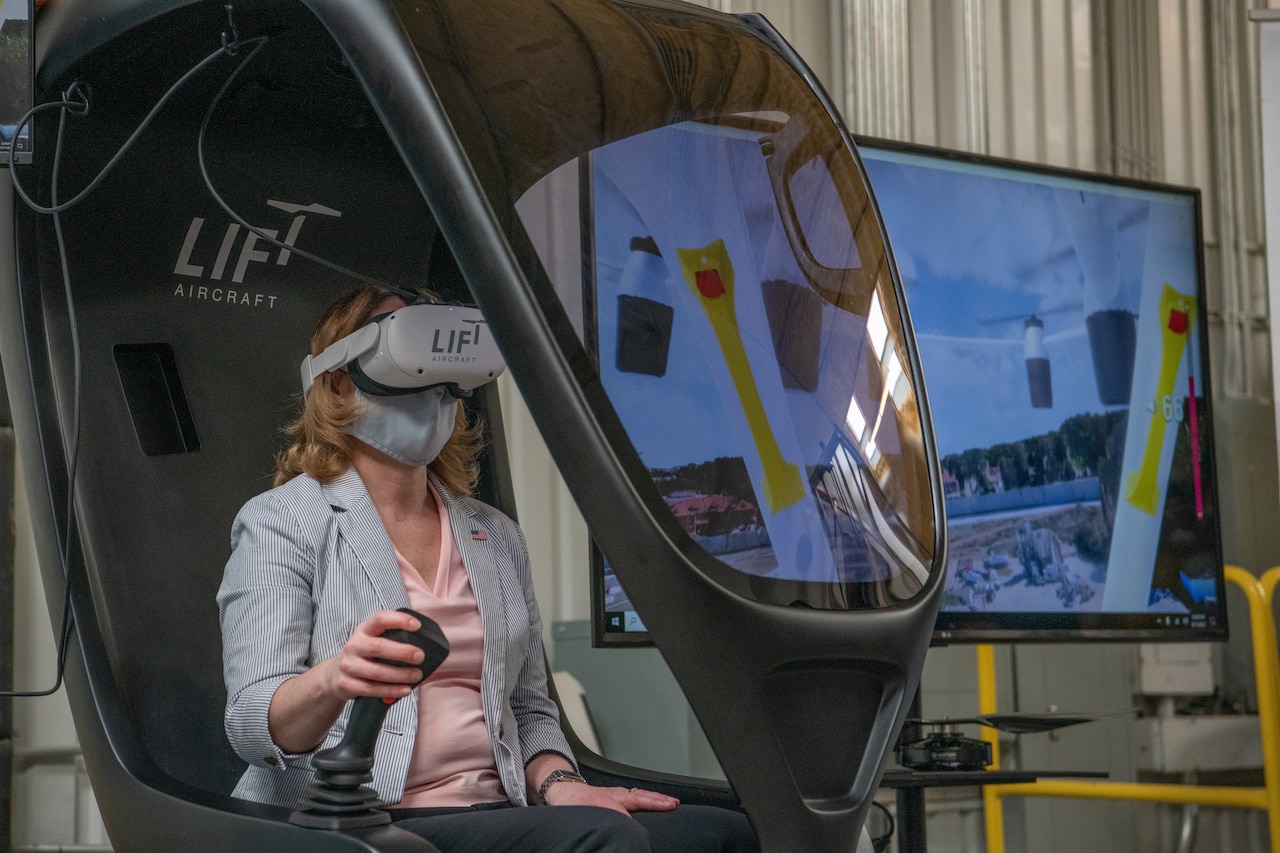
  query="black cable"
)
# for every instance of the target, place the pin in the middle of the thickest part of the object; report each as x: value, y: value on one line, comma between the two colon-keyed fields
x: 408, y: 295
x: 76, y: 88
x: 81, y: 107
x: 64, y: 552
x: 76, y: 100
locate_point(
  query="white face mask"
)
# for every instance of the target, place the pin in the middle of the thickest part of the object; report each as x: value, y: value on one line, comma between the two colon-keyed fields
x: 410, y: 428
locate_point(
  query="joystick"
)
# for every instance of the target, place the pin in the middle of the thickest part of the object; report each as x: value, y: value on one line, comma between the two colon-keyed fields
x: 338, y: 797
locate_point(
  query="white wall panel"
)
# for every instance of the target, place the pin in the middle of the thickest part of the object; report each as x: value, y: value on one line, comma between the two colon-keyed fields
x: 1082, y: 73
x: 1269, y: 97
x: 553, y: 526
x: 1000, y: 68
x: 1053, y: 58
x: 1023, y: 85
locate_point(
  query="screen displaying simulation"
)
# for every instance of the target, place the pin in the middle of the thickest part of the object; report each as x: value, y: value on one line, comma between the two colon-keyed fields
x: 1061, y: 326
x: 745, y: 337
x: 16, y: 86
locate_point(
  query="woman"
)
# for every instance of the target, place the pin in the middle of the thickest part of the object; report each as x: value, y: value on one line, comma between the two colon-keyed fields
x: 371, y: 512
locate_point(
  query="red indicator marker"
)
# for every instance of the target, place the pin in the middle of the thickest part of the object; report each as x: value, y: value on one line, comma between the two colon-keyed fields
x: 710, y: 285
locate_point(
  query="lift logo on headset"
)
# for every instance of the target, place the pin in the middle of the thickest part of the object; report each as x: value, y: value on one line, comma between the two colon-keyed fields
x: 199, y: 258
x: 458, y: 342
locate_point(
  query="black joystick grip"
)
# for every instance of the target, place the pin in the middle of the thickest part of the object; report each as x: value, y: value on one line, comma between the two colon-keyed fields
x: 428, y: 637
x: 355, y: 753
x: 338, y: 797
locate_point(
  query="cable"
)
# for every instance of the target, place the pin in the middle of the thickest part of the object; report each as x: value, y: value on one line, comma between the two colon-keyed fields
x: 409, y: 295
x: 64, y: 553
x: 81, y: 107
x: 76, y: 100
x: 77, y: 88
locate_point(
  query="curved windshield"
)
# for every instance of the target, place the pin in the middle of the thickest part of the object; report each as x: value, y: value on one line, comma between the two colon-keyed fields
x: 717, y: 249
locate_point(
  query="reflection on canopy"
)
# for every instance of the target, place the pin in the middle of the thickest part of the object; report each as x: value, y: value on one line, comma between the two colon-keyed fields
x: 717, y: 250
x: 773, y: 414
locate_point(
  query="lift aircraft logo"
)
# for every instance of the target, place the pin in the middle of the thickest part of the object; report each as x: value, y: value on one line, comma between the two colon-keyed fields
x: 238, y: 248
x: 453, y: 348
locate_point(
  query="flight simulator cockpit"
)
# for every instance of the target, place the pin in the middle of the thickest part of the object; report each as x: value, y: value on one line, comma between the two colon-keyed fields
x: 670, y: 238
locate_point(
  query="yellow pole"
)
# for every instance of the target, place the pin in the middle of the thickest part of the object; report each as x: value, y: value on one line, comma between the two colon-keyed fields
x: 992, y: 809
x: 1260, y: 593
x: 1266, y: 665
x: 1220, y: 796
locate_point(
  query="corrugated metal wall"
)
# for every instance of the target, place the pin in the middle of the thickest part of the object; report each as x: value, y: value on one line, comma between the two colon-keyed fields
x: 1158, y: 89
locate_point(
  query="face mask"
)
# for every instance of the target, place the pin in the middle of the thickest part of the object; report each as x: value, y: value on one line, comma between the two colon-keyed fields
x: 410, y: 428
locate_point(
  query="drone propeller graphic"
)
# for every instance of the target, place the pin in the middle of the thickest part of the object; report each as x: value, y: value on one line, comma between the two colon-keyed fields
x: 1022, y: 724
x: 943, y: 747
x: 1112, y: 335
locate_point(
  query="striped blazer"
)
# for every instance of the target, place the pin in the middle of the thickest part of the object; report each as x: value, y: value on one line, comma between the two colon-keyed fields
x: 309, y: 562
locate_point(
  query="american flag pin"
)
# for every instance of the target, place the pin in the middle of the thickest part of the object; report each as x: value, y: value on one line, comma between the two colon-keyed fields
x: 479, y: 535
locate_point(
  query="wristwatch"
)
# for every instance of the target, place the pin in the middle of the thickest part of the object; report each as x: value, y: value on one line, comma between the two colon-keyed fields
x: 556, y: 776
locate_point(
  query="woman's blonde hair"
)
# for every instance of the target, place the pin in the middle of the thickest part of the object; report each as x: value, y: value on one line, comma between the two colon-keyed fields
x: 318, y: 445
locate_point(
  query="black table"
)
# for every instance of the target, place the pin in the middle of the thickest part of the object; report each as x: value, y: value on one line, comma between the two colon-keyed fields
x: 910, y: 786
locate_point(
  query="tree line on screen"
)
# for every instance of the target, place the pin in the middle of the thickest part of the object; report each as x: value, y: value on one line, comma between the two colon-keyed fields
x: 1086, y: 445
x: 14, y: 68
x: 725, y: 475
x: 1078, y: 448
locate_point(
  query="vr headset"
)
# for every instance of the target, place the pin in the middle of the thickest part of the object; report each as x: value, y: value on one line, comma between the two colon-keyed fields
x: 412, y: 349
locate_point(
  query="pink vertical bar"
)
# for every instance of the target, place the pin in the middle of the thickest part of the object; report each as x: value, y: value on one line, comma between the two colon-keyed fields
x: 1195, y: 449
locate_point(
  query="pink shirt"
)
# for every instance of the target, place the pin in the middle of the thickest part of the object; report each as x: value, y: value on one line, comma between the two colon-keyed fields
x: 453, y: 762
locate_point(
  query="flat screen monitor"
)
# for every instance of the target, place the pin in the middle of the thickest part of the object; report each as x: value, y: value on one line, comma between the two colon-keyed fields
x: 16, y: 78
x: 1062, y: 329
x: 1061, y: 323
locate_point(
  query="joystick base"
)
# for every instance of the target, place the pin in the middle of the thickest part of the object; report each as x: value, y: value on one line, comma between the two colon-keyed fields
x: 339, y: 801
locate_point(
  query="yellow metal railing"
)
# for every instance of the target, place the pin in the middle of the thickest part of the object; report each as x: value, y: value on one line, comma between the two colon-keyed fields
x: 1260, y: 592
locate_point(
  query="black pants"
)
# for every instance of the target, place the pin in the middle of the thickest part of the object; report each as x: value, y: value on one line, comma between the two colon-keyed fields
x: 503, y: 828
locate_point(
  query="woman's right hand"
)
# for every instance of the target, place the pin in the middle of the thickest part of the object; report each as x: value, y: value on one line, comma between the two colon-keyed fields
x: 361, y: 668
x: 304, y: 707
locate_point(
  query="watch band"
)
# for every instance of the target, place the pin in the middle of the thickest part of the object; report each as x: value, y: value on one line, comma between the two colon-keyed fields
x: 556, y: 776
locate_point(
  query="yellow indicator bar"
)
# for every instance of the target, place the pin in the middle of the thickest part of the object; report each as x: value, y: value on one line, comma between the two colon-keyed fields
x: 709, y: 274
x: 1177, y: 319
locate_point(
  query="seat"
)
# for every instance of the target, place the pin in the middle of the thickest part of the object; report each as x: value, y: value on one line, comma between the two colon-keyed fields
x: 404, y: 142
x: 189, y: 368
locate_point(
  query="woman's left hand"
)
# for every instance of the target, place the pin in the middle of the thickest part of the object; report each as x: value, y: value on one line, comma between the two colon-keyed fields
x: 625, y: 800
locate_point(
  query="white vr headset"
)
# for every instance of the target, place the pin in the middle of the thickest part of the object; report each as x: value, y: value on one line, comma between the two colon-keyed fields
x: 412, y: 349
